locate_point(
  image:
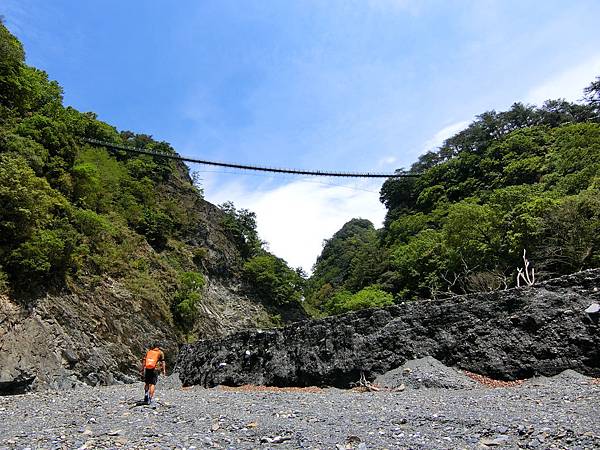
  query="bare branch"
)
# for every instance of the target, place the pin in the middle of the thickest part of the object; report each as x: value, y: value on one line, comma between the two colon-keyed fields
x: 524, y: 274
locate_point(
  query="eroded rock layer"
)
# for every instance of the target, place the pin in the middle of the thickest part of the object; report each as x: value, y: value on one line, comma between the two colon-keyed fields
x: 517, y: 333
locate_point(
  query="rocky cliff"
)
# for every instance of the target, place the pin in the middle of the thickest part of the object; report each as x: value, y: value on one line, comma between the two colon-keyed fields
x: 95, y: 329
x: 517, y: 333
x: 103, y: 251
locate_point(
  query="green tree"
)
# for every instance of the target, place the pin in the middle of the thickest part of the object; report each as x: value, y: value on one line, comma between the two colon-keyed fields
x: 28, y: 202
x: 12, y: 58
x: 420, y: 264
x: 570, y: 235
x: 240, y: 225
x: 271, y: 279
x: 46, y: 255
x: 187, y: 298
x: 592, y: 94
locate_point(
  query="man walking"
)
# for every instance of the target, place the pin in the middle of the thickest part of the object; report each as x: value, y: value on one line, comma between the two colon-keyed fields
x: 152, y: 363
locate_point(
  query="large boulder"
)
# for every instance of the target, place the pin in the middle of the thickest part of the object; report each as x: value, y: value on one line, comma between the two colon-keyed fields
x: 511, y: 334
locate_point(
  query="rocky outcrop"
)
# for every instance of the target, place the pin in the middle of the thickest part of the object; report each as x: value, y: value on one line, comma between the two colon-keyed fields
x: 68, y: 339
x: 422, y: 373
x: 96, y: 329
x: 98, y: 337
x: 517, y: 333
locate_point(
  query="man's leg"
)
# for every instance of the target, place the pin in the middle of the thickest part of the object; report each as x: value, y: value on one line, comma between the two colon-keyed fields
x: 146, y: 395
x: 152, y: 388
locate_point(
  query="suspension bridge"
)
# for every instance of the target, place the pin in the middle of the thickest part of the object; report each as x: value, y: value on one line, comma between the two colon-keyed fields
x: 320, y: 173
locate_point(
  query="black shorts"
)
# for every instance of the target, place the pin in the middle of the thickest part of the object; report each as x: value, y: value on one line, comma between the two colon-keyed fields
x: 150, y: 376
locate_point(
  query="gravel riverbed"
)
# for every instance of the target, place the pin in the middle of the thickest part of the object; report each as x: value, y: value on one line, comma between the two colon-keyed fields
x: 562, y: 412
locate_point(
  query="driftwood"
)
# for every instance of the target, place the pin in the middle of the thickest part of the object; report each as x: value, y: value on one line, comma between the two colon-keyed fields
x: 524, y: 273
x: 363, y: 382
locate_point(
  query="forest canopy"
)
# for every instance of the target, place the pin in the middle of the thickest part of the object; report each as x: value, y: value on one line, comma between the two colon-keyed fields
x: 526, y: 179
x: 522, y: 180
x: 74, y: 214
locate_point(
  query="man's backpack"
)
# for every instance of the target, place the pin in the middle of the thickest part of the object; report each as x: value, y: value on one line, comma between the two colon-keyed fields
x: 152, y: 358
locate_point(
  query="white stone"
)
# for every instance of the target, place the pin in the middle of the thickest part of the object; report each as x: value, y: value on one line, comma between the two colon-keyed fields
x: 594, y: 308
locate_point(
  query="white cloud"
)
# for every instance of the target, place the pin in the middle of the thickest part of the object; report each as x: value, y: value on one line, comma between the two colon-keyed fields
x: 568, y: 84
x: 387, y: 161
x: 296, y: 217
x: 438, y: 138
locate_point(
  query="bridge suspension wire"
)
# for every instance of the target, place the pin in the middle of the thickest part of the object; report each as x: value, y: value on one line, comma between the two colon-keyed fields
x: 320, y: 173
x: 301, y: 180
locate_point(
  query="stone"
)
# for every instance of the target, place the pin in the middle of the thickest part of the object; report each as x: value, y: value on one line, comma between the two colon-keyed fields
x: 501, y: 439
x: 507, y: 335
x: 352, y: 439
x: 594, y: 308
x: 275, y: 440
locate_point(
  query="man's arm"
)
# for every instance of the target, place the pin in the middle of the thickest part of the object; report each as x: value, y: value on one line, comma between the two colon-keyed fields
x: 164, y: 364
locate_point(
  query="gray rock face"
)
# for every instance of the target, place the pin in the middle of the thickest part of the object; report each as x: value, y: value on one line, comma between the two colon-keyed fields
x: 65, y: 341
x: 518, y: 333
x: 100, y: 337
x: 96, y: 332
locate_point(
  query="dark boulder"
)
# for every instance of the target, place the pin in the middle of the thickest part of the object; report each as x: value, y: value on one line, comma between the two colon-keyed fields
x: 517, y: 333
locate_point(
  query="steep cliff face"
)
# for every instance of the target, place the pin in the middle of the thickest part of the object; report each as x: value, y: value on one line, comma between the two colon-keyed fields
x: 95, y: 329
x: 103, y: 251
x: 509, y: 334
x: 96, y: 333
x: 96, y: 338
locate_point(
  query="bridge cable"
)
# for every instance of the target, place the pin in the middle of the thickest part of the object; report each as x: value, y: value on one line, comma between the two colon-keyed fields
x: 115, y: 146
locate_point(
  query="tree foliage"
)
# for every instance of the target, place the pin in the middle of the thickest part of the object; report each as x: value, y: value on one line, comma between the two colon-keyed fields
x: 70, y: 209
x: 350, y: 260
x: 73, y: 214
x: 370, y: 297
x: 526, y: 178
x: 240, y: 224
x: 187, y: 299
x: 270, y: 279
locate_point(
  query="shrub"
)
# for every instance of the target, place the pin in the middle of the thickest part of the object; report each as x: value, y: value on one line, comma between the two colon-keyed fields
x: 240, y: 225
x: 186, y: 299
x: 369, y: 297
x: 35, y: 153
x: 28, y: 202
x: 271, y: 279
x: 46, y: 255
x: 156, y: 226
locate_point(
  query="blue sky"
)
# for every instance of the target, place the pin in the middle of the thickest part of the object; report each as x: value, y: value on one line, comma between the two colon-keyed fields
x: 341, y: 84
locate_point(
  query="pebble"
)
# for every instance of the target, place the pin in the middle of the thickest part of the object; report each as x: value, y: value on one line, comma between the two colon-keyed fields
x: 332, y: 418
